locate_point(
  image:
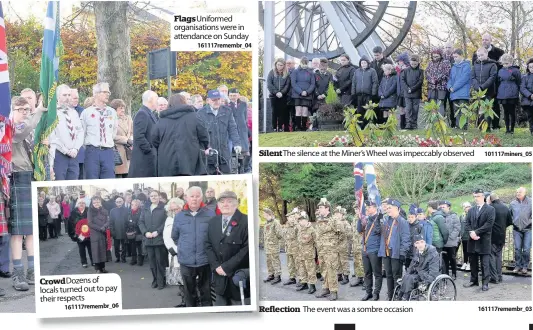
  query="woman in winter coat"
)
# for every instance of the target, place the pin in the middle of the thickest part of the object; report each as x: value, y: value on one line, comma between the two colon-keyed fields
x: 342, y: 80
x: 98, y: 220
x: 134, y: 234
x: 387, y: 91
x: 75, y: 231
x: 437, y: 75
x: 179, y: 138
x: 55, y: 211
x: 364, y: 86
x: 43, y: 215
x: 124, y: 137
x: 152, y: 224
x: 402, y: 63
x: 509, y: 80
x: 526, y: 89
x: 303, y: 89
x: 173, y: 207
x: 278, y: 84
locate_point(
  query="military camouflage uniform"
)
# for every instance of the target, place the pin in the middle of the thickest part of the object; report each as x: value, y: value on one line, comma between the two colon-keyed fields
x: 291, y: 245
x: 272, y: 235
x: 327, y: 239
x: 344, y: 263
x: 357, y: 254
x: 306, y: 255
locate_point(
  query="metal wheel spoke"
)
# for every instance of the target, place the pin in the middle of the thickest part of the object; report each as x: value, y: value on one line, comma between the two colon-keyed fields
x: 393, y: 15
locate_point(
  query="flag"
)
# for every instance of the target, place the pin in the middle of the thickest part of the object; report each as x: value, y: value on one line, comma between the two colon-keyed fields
x: 358, y: 174
x: 48, y: 81
x: 6, y: 125
x: 371, y: 186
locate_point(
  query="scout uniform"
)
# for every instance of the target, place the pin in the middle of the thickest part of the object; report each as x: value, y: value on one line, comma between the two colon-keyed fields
x: 67, y: 135
x: 100, y: 125
x: 306, y: 239
x: 272, y: 235
x: 327, y: 231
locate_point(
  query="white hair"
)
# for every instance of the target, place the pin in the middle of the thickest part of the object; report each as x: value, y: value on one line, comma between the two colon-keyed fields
x: 187, y: 95
x: 98, y: 87
x: 147, y: 96
x: 467, y: 204
x: 193, y: 189
x: 162, y: 100
x: 316, y: 60
x: 80, y: 200
x: 60, y: 88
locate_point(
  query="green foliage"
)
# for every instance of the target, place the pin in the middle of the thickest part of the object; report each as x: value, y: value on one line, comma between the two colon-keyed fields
x: 436, y: 126
x: 478, y: 105
x: 332, y: 97
x: 342, y: 193
x: 22, y: 73
x: 351, y: 124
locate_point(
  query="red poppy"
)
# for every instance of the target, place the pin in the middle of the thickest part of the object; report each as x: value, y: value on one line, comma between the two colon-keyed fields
x: 233, y: 223
x: 92, y: 116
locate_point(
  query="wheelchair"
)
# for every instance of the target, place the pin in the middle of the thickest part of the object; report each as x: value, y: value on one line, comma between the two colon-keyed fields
x: 443, y: 288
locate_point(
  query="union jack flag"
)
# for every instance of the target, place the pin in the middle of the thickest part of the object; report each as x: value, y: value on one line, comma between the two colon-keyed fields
x: 6, y: 128
x: 358, y: 174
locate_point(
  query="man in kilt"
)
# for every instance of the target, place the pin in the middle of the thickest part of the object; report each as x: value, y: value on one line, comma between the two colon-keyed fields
x: 20, y: 220
x: 4, y: 233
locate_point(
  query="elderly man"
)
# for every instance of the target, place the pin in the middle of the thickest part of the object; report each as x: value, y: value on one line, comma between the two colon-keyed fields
x: 315, y: 64
x: 189, y: 232
x: 162, y: 104
x: 226, y: 246
x: 30, y: 96
x: 143, y: 157
x: 66, y: 139
x: 210, y: 200
x: 220, y: 124
x: 100, y: 125
x: 118, y: 218
x: 197, y: 101
x: 224, y: 92
x: 479, y: 222
x: 521, y: 212
x: 423, y: 270
x: 502, y: 220
x: 75, y: 103
x: 180, y: 193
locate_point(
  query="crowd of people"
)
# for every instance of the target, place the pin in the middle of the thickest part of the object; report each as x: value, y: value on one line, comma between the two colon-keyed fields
x: 205, y: 240
x: 297, y: 93
x: 387, y: 242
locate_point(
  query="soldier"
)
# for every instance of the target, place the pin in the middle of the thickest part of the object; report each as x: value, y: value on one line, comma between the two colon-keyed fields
x: 306, y: 238
x: 318, y: 258
x: 346, y: 229
x: 272, y: 235
x: 370, y: 229
x: 394, y: 245
x: 327, y: 232
x: 359, y: 272
x: 291, y: 245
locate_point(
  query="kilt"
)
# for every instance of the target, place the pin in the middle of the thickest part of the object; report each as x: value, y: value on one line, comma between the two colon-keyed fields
x: 3, y: 221
x: 20, y: 222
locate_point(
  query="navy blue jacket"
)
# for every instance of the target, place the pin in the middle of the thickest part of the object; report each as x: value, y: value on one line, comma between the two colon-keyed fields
x: 387, y: 91
x: 526, y: 88
x: 399, y: 243
x: 190, y: 233
x: 371, y: 239
x: 413, y: 79
x: 365, y: 81
x: 509, y: 83
x: 484, y: 76
x: 303, y: 80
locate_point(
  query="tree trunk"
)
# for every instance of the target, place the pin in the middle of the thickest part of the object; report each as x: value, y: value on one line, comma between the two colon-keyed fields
x: 514, y: 36
x: 113, y: 43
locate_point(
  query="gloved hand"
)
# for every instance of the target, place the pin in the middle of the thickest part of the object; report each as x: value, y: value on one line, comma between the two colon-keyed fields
x: 402, y: 260
x: 74, y: 238
x: 237, y: 149
x: 172, y: 252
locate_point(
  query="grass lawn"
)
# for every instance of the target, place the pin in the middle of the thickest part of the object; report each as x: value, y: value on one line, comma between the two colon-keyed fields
x: 520, y: 138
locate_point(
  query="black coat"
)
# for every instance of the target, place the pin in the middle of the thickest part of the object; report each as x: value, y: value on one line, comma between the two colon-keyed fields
x: 151, y: 221
x: 98, y: 221
x: 118, y: 217
x: 75, y: 217
x: 502, y: 220
x: 482, y: 225
x: 143, y: 156
x: 484, y: 76
x: 322, y: 82
x: 229, y: 250
x: 343, y: 78
x: 412, y: 79
x: 278, y: 83
x: 179, y: 138
x: 133, y: 224
x: 240, y: 115
x: 378, y: 66
x: 43, y: 215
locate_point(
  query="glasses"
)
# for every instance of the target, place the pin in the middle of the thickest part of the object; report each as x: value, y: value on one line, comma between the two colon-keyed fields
x: 23, y: 110
x: 106, y: 92
x: 479, y: 196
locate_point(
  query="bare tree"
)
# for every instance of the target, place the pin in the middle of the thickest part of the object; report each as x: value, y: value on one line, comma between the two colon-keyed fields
x: 113, y: 42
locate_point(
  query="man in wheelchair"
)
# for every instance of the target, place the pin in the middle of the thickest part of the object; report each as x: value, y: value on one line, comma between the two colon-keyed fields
x: 423, y: 270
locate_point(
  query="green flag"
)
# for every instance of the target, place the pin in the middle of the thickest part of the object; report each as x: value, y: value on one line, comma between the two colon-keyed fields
x: 52, y: 50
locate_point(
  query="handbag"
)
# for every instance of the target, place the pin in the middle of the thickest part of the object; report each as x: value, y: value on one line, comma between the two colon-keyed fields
x: 173, y: 274
x: 118, y: 159
x: 131, y: 234
x: 127, y: 148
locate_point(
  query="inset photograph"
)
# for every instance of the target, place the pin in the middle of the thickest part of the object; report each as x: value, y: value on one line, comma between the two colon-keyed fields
x: 395, y: 74
x: 395, y: 231
x: 173, y: 242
